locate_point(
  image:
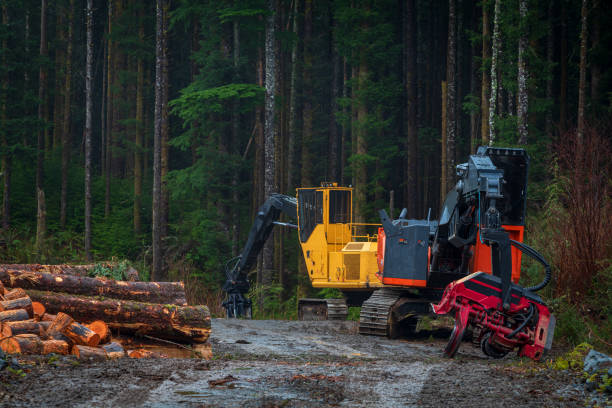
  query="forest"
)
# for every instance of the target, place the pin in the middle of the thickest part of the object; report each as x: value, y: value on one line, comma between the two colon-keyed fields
x: 151, y: 132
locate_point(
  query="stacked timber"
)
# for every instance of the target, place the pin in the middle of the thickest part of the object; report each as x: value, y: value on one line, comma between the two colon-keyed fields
x: 42, y: 311
x: 78, y: 270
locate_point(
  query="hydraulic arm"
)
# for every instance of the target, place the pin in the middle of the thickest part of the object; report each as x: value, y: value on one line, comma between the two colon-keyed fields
x: 236, y: 269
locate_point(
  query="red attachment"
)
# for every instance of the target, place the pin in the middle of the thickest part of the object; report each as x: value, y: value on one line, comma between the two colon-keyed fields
x: 478, y: 303
x: 380, y: 252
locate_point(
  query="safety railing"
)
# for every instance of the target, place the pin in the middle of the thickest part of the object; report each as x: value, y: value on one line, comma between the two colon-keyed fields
x: 361, y: 231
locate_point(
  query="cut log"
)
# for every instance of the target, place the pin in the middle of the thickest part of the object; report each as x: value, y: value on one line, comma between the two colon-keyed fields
x: 15, y: 294
x: 81, y: 335
x: 14, y: 315
x: 20, y: 303
x: 25, y: 327
x: 144, y: 353
x: 172, y: 293
x: 38, y: 309
x: 89, y: 353
x: 101, y: 328
x: 182, y: 323
x: 47, y: 317
x: 22, y: 344
x: 55, y: 330
x: 79, y: 270
x: 114, y: 350
x: 2, y: 289
x: 55, y: 346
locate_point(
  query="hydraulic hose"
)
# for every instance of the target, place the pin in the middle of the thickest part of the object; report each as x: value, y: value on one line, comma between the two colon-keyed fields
x: 524, y: 323
x: 529, y: 251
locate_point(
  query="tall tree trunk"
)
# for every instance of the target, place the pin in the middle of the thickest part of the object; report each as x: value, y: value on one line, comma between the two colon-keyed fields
x: 550, y: 47
x: 451, y: 95
x: 345, y: 126
x: 139, y: 132
x: 60, y: 61
x: 564, y: 63
x: 160, y: 92
x: 307, y: 114
x: 293, y: 100
x: 6, y: 158
x: 235, y: 141
x: 165, y: 133
x: 66, y: 139
x: 41, y: 224
x: 332, y: 162
x: 595, y: 51
x: 523, y: 74
x: 103, y: 108
x: 494, y: 82
x: 269, y: 132
x: 583, y: 62
x: 361, y: 171
x: 474, y: 128
x: 485, y: 87
x: 444, y: 168
x: 410, y: 78
x: 110, y: 57
x: 88, y: 107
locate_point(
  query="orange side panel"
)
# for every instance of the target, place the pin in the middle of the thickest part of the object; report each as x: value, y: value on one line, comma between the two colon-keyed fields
x: 405, y: 282
x: 481, y: 262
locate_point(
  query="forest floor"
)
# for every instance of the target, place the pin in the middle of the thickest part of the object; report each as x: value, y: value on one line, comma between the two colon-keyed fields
x: 265, y: 363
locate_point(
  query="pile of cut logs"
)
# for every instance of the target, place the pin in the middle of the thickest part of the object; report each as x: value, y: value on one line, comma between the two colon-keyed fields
x: 42, y: 305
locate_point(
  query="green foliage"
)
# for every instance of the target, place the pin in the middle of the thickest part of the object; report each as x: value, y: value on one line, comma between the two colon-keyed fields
x: 113, y: 270
x: 574, y: 359
x: 272, y: 307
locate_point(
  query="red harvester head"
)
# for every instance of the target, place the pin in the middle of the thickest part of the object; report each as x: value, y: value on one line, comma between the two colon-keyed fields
x: 476, y: 301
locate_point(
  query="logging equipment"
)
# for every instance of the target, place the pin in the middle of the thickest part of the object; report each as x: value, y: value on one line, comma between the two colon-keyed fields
x: 473, y: 250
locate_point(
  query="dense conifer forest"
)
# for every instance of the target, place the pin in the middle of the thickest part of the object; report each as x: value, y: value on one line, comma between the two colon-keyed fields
x: 152, y: 131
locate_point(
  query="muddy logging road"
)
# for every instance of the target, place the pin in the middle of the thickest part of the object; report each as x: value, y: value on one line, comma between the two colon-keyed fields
x: 295, y: 364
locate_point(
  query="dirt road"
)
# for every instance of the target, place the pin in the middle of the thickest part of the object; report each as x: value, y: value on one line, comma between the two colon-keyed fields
x: 296, y: 364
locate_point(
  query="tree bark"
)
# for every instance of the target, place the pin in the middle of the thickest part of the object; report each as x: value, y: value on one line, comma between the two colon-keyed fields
x: 24, y: 303
x: 494, y: 68
x: 444, y: 150
x: 41, y: 224
x: 110, y: 58
x: 139, y: 132
x: 165, y: 134
x: 89, y: 353
x: 523, y: 75
x: 14, y: 315
x: 307, y: 114
x: 564, y: 63
x: 6, y: 157
x: 66, y: 139
x: 583, y: 67
x: 410, y: 78
x: 293, y: 101
x: 22, y: 344
x: 158, y: 209
x: 88, y: 125
x: 269, y: 133
x: 81, y: 335
x: 185, y: 323
x: 114, y: 350
x: 24, y: 327
x: 152, y: 292
x: 55, y: 346
x: 451, y: 95
x: 485, y: 90
x: 550, y: 47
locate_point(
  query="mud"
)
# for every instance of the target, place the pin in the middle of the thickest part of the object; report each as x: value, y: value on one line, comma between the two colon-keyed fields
x: 294, y: 364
